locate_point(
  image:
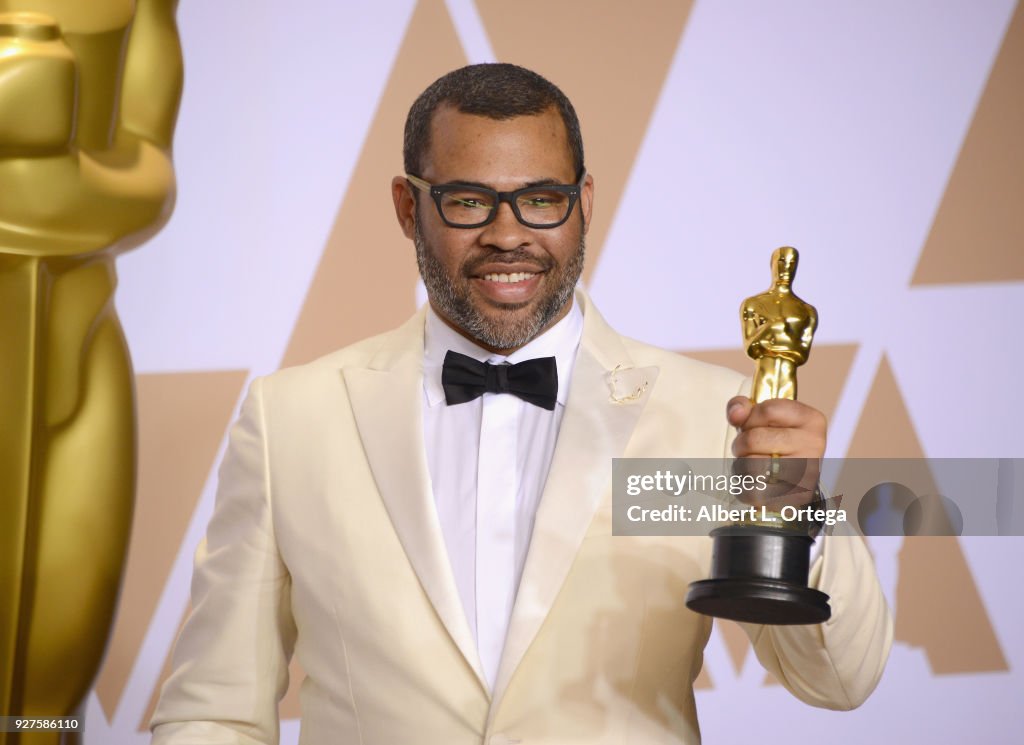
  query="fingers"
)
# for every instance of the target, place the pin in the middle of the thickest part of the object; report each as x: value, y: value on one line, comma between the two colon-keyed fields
x: 782, y: 412
x: 786, y: 443
x: 777, y: 427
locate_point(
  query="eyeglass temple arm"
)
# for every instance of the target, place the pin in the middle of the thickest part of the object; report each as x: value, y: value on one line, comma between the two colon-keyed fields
x: 418, y: 182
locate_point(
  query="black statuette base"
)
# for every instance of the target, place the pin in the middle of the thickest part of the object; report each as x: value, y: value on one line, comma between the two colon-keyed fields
x: 759, y: 575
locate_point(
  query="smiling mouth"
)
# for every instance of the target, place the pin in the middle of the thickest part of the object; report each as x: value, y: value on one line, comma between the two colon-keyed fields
x: 509, y: 278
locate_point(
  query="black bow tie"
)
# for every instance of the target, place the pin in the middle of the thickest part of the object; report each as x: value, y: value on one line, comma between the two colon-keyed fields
x: 535, y: 381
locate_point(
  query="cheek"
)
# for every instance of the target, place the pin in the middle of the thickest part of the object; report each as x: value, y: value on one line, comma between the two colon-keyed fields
x: 565, y: 246
x: 450, y: 250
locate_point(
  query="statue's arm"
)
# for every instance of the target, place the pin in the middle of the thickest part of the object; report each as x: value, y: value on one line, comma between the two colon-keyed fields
x: 153, y: 74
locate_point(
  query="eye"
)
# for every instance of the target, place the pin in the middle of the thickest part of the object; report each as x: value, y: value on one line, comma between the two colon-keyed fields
x: 468, y: 200
x: 542, y: 200
x: 473, y: 202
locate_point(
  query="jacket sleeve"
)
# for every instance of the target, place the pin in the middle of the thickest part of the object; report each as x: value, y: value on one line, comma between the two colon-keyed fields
x: 230, y: 664
x: 836, y: 664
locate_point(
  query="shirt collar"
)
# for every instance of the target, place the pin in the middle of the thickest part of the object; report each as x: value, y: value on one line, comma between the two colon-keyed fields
x: 560, y: 341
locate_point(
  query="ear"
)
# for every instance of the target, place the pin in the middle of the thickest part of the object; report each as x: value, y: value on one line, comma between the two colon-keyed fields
x: 405, y: 205
x: 587, y: 201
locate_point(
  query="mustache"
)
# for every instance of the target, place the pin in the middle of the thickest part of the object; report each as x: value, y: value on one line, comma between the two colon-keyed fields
x: 515, y: 256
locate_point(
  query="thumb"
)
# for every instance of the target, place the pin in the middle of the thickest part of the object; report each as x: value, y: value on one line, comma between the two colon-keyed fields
x: 738, y: 410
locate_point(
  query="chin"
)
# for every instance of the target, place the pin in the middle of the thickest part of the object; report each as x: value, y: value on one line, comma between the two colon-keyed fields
x: 494, y: 309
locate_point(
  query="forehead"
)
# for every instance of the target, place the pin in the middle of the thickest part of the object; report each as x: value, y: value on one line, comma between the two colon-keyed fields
x: 502, y: 152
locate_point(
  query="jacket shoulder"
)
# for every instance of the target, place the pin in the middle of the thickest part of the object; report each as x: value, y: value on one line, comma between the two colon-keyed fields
x: 676, y: 368
x: 386, y: 347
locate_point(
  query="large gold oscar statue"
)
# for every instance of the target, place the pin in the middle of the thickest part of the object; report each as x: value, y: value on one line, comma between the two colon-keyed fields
x: 89, y: 92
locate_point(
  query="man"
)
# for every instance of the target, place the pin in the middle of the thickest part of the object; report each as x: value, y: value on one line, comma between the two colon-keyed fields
x: 432, y: 534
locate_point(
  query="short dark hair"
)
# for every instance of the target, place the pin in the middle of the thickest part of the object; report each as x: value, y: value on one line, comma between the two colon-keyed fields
x: 496, y: 90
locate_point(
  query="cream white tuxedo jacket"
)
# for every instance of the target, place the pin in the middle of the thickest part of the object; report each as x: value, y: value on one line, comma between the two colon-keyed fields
x: 325, y: 539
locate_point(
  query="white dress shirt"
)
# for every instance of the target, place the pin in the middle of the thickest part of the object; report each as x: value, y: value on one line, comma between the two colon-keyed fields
x: 488, y: 460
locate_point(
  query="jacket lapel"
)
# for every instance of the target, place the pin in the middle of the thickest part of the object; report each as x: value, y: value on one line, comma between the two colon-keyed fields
x: 387, y: 402
x: 605, y: 401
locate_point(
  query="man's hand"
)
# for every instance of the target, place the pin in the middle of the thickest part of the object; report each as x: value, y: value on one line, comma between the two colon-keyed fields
x: 784, y: 439
x: 781, y: 427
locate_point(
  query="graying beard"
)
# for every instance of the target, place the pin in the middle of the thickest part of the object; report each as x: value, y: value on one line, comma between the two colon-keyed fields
x: 458, y: 308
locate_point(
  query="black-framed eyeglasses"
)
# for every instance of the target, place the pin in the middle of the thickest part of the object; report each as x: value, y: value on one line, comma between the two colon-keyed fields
x: 470, y: 206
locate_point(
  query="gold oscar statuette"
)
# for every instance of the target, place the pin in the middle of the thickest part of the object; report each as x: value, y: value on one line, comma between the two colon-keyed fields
x: 759, y: 569
x: 89, y: 93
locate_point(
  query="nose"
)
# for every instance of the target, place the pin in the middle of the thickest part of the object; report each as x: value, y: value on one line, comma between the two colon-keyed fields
x: 505, y: 233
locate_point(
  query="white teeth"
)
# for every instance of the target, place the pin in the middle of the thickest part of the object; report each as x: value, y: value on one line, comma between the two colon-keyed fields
x: 517, y: 277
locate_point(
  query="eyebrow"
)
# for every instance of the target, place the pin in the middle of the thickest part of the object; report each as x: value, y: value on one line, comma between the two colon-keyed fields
x: 530, y: 185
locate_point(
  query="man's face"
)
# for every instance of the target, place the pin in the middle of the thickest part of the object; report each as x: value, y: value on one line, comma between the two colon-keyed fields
x: 504, y: 283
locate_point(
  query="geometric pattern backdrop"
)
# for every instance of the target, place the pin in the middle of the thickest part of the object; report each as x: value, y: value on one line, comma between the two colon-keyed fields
x: 884, y: 140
